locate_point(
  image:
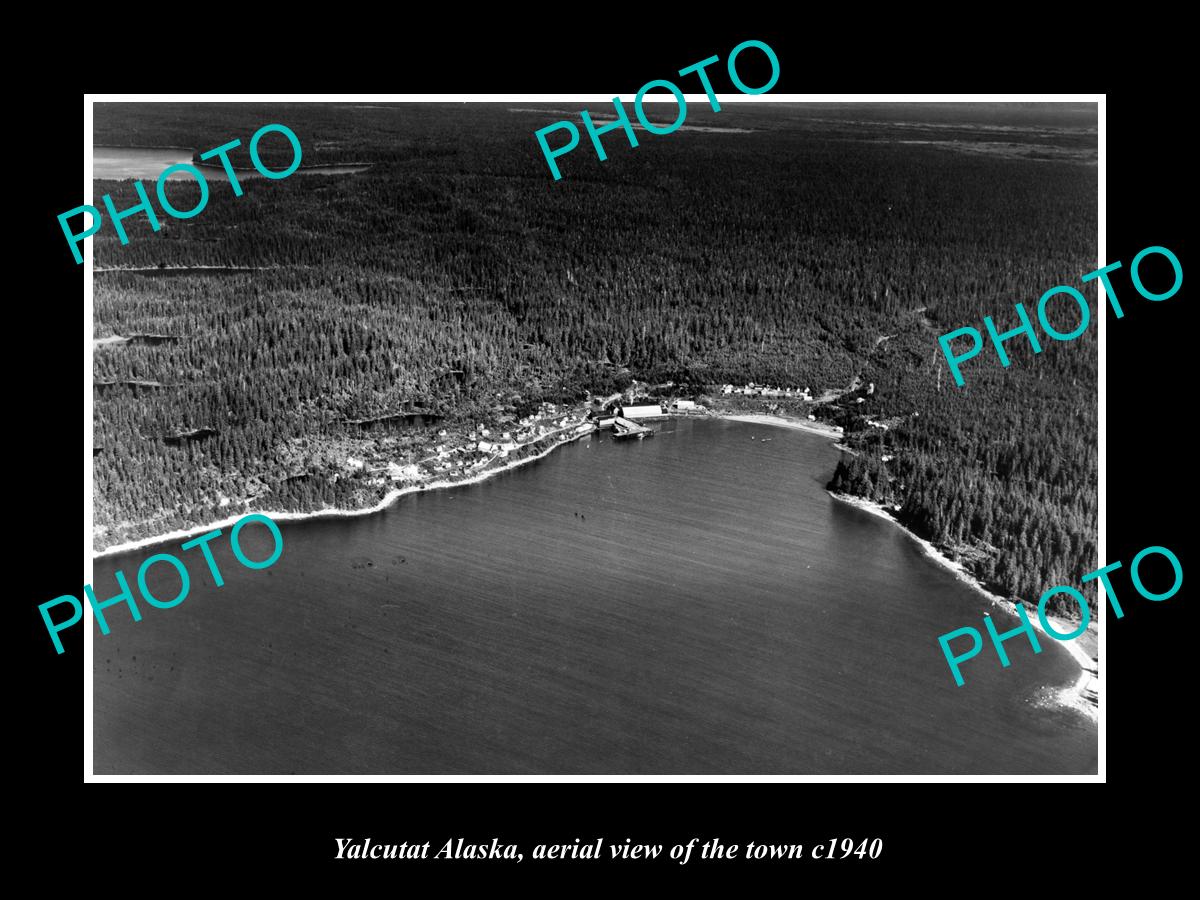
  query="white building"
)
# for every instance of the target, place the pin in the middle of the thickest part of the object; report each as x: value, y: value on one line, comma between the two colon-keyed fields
x: 645, y: 411
x: 685, y: 404
x: 403, y: 472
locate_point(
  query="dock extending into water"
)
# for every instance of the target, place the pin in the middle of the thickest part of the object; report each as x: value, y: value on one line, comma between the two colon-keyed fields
x: 626, y: 428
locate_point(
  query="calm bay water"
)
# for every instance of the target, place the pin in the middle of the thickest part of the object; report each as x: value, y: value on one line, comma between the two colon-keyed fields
x: 695, y: 603
x: 118, y: 163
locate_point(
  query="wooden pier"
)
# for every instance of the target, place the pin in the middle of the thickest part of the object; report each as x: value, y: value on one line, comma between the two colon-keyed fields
x: 624, y: 429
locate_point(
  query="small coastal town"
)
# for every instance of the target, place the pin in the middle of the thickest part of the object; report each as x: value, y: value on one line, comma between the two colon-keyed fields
x: 406, y: 452
x: 371, y: 460
x: 381, y: 456
x: 451, y: 453
x: 695, y: 584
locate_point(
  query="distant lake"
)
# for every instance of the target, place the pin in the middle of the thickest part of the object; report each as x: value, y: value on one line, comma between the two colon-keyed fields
x: 694, y: 603
x: 117, y: 163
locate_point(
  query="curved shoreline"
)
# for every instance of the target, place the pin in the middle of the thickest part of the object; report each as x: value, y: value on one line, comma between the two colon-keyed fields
x: 812, y: 427
x: 332, y: 512
x: 1072, y: 697
x: 396, y: 493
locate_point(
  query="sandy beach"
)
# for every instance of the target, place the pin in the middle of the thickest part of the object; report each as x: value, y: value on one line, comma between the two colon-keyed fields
x: 829, y: 431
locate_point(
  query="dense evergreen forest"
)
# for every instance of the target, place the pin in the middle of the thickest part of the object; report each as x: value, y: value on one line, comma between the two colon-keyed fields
x: 454, y: 276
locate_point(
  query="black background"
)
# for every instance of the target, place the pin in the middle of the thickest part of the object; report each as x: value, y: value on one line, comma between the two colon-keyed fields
x: 951, y: 836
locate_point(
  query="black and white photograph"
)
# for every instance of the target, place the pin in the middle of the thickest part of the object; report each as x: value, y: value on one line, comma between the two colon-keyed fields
x: 657, y: 467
